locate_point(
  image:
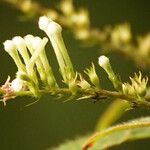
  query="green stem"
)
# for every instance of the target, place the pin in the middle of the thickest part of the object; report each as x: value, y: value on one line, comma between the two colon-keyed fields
x: 94, y: 94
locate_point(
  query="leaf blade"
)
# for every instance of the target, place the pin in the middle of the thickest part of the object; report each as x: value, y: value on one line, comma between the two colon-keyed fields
x: 133, y: 130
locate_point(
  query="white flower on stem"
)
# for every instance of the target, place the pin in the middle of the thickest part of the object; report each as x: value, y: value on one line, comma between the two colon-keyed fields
x: 43, y: 22
x: 105, y: 64
x: 103, y: 61
x: 53, y: 31
x: 21, y: 47
x: 18, y: 85
x: 10, y: 47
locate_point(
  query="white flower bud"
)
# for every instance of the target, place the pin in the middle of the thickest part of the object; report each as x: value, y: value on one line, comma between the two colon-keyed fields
x: 21, y: 47
x: 28, y: 38
x: 49, y: 26
x: 19, y: 42
x: 36, y: 42
x: 103, y: 61
x: 17, y: 85
x: 43, y: 22
x: 9, y: 46
x: 105, y: 64
x: 54, y: 28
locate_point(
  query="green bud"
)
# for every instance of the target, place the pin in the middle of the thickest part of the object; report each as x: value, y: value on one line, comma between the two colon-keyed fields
x: 137, y: 87
x: 83, y: 83
x: 93, y: 76
x: 73, y: 85
x: 29, y: 82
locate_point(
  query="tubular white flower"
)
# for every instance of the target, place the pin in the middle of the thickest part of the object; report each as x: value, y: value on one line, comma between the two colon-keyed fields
x: 53, y: 31
x: 103, y: 61
x: 49, y: 26
x: 38, y: 51
x: 36, y: 42
x: 29, y: 40
x: 43, y: 58
x: 10, y: 47
x: 53, y: 28
x: 21, y: 46
x: 43, y: 22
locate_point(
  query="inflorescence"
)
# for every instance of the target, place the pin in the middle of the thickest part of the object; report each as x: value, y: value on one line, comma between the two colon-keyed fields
x: 35, y: 77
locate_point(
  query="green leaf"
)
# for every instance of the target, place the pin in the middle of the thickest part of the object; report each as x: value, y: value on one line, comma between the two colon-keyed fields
x: 75, y: 144
x: 133, y: 130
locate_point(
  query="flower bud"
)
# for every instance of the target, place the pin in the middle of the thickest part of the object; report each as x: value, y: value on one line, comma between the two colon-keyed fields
x: 17, y: 85
x: 21, y: 47
x: 83, y: 83
x: 43, y: 22
x: 105, y: 64
x: 10, y: 47
x: 93, y: 76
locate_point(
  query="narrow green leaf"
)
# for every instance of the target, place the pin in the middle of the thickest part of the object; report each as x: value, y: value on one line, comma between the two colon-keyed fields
x: 133, y: 130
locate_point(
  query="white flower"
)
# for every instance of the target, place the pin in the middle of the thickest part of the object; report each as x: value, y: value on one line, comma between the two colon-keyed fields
x: 9, y: 46
x: 36, y: 42
x: 17, y: 85
x: 49, y: 26
x: 43, y: 22
x: 103, y: 61
x: 54, y: 28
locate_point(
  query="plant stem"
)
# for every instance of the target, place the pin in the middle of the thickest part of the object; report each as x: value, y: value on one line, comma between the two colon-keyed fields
x: 92, y: 94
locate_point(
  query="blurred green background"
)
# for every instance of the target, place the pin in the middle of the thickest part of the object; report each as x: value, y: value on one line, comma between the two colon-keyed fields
x: 49, y: 121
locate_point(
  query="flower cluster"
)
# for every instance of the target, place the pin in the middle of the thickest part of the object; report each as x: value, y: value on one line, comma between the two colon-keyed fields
x: 137, y: 88
x: 31, y: 60
x: 35, y: 75
x: 34, y: 71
